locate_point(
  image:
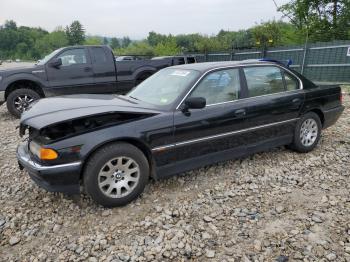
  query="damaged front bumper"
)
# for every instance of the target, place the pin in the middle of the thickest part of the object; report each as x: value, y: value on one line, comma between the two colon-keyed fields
x: 57, y: 178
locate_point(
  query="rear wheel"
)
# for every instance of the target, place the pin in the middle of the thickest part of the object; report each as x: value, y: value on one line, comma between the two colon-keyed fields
x: 307, y: 133
x: 19, y: 100
x: 116, y: 174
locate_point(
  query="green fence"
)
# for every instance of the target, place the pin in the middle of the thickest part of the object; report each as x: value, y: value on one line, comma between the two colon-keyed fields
x: 321, y: 62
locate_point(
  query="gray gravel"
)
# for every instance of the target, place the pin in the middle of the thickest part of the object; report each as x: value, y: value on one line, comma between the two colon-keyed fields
x: 272, y: 206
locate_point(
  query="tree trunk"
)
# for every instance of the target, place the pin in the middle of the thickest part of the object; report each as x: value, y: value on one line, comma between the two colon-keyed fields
x: 335, y: 13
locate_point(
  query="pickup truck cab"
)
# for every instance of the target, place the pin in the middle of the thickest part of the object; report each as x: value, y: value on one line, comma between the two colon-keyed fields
x: 74, y: 70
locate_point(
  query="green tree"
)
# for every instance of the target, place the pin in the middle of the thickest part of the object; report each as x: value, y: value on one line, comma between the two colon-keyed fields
x: 208, y: 44
x: 154, y: 38
x: 126, y: 41
x: 93, y: 40
x: 10, y: 24
x: 75, y: 33
x: 136, y: 48
x: 267, y: 34
x: 115, y: 43
x: 324, y: 20
x: 105, y: 41
x: 168, y: 47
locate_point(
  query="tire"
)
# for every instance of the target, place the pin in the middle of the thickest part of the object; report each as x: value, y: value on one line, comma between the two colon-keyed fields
x: 142, y: 78
x: 18, y: 100
x: 307, y: 133
x: 107, y: 173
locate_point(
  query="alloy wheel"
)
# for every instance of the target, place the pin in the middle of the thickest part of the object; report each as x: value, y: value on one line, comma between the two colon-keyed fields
x: 308, y: 132
x: 119, y: 177
x: 22, y: 102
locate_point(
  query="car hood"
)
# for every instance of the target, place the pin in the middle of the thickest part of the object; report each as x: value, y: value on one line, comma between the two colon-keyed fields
x: 48, y: 111
x: 20, y: 69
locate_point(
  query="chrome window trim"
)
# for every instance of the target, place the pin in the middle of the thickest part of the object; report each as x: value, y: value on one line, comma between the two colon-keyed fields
x: 192, y: 141
x: 301, y: 87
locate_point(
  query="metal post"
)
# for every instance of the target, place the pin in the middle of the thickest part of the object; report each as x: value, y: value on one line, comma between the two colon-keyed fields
x: 232, y: 53
x: 305, y: 51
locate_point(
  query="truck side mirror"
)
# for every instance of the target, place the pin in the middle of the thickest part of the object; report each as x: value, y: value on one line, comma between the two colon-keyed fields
x: 56, y: 62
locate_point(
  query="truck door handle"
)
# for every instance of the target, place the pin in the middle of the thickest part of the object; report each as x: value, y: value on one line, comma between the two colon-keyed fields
x: 87, y: 69
x: 240, y: 112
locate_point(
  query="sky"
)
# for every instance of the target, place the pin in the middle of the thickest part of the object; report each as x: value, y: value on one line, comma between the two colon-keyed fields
x: 135, y: 18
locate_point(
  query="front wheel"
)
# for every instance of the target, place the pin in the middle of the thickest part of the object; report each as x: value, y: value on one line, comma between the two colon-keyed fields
x: 307, y: 133
x: 19, y: 100
x: 116, y: 174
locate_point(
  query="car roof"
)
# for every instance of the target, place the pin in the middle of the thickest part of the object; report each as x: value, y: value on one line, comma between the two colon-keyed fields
x: 206, y: 66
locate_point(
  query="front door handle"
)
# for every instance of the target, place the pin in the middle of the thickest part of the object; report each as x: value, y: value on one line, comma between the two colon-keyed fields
x: 240, y: 112
x: 87, y: 69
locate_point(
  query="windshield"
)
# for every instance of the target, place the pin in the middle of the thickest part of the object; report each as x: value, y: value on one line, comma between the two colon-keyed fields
x: 48, y: 57
x: 164, y: 87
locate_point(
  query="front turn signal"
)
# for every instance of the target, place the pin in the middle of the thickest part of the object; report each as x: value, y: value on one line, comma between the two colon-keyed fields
x: 48, y: 154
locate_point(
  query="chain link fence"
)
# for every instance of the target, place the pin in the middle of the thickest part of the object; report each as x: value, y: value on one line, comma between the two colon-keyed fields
x: 327, y: 62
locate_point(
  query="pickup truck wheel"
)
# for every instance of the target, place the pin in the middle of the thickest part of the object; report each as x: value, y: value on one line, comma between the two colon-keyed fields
x: 142, y: 78
x: 19, y: 100
x: 307, y: 133
x: 116, y: 174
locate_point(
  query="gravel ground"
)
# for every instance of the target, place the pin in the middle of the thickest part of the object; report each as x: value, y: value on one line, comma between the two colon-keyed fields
x: 272, y: 206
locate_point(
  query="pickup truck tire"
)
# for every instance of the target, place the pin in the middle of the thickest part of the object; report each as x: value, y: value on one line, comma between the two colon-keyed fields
x: 307, y: 133
x: 116, y: 174
x: 19, y: 100
x: 142, y: 78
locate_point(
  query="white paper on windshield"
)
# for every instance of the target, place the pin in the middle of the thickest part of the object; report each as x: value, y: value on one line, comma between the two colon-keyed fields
x: 180, y: 73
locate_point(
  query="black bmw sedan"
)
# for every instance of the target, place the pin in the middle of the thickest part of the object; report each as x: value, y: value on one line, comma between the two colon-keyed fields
x: 181, y: 118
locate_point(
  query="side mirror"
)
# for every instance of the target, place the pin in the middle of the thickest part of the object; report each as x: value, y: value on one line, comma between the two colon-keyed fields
x: 56, y: 62
x: 194, y: 103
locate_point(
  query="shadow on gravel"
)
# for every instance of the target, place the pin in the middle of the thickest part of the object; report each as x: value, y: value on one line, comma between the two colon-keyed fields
x: 5, y: 115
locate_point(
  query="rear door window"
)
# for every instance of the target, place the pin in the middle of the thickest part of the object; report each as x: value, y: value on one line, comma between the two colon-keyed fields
x: 264, y: 80
x: 291, y: 82
x: 99, y: 55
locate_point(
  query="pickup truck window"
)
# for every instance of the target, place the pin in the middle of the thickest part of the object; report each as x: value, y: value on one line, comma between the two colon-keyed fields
x: 191, y: 60
x: 264, y: 80
x: 219, y: 87
x: 48, y: 57
x: 99, y: 55
x: 164, y: 87
x: 73, y: 56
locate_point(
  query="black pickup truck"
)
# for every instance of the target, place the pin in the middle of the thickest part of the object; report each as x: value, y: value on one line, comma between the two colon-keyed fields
x: 74, y: 70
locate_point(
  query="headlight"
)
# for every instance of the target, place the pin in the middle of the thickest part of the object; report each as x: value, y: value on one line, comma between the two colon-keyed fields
x: 42, y: 153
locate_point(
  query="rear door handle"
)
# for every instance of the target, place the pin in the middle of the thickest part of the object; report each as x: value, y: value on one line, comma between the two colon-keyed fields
x: 87, y: 69
x: 240, y: 112
x: 296, y: 101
